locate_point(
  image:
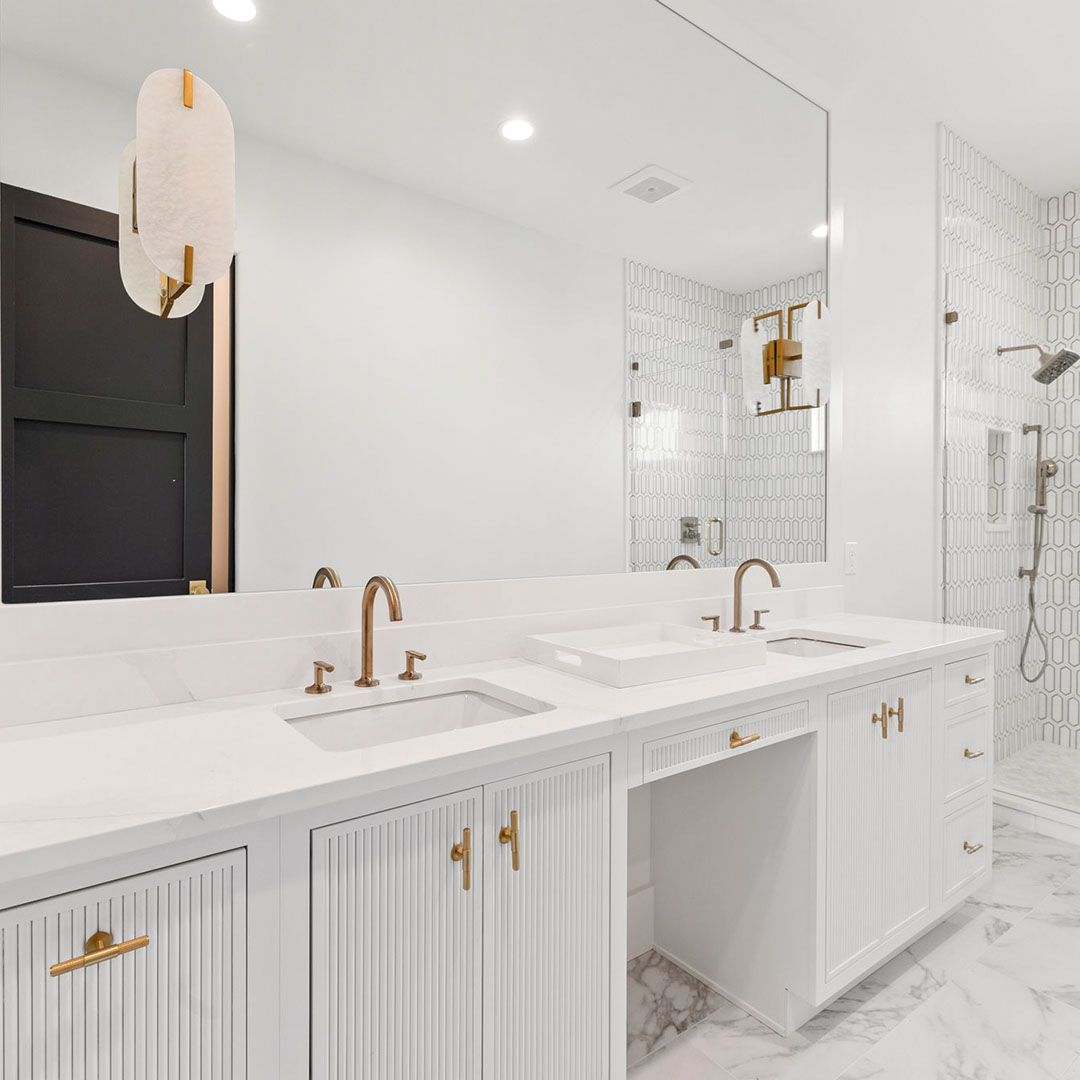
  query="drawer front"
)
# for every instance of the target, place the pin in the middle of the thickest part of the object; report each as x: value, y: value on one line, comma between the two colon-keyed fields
x: 966, y: 680
x: 171, y: 1006
x: 690, y: 749
x: 968, y: 753
x: 966, y: 846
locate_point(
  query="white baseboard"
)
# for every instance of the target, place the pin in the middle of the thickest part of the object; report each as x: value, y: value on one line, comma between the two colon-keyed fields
x: 1052, y: 821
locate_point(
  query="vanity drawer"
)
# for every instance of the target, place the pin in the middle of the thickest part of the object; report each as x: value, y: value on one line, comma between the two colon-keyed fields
x: 172, y: 984
x: 968, y: 753
x: 966, y: 846
x: 699, y: 746
x: 966, y: 679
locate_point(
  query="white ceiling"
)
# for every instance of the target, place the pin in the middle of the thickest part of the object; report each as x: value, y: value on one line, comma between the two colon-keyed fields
x: 1005, y: 75
x: 413, y: 90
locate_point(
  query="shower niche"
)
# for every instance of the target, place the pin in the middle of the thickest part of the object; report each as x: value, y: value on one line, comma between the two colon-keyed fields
x: 998, y: 470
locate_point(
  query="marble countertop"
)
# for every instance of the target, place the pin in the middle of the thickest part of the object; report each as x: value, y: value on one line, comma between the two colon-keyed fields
x: 74, y: 791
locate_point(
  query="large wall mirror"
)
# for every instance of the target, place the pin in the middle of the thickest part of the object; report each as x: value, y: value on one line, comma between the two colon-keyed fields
x: 441, y: 354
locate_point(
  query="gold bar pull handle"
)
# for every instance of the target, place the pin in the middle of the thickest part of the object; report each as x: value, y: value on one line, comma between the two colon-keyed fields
x: 883, y: 720
x: 972, y: 681
x: 972, y: 848
x: 99, y: 948
x: 898, y: 712
x: 508, y: 834
x: 972, y: 754
x: 462, y: 853
x: 736, y: 740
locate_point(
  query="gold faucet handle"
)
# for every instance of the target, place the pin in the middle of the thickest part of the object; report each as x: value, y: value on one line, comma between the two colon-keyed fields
x: 715, y: 620
x: 318, y: 686
x: 756, y: 624
x: 410, y: 674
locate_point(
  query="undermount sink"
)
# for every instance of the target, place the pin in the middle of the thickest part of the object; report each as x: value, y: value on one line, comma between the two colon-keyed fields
x: 396, y: 714
x: 809, y: 644
x: 640, y: 653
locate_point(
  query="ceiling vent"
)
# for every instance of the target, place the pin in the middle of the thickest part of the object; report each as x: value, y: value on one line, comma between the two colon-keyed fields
x: 652, y: 184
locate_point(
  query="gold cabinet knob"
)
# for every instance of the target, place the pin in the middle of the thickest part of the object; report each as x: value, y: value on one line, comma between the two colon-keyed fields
x: 971, y: 680
x: 508, y: 834
x: 972, y: 848
x: 318, y: 686
x: 462, y: 853
x: 736, y: 740
x: 972, y: 754
x: 898, y: 712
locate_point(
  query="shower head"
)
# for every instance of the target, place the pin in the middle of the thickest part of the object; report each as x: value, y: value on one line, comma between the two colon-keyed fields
x: 1051, y: 365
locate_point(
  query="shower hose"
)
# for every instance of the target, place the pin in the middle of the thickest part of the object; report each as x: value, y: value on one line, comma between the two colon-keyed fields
x: 1033, y: 627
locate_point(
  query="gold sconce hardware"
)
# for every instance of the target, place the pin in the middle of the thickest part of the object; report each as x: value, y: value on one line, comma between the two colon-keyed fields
x: 951, y: 317
x: 367, y: 624
x: 462, y: 853
x: 883, y: 720
x: 715, y: 545
x: 971, y: 755
x: 974, y: 681
x: 508, y: 834
x: 99, y: 948
x: 318, y: 686
x: 756, y: 624
x: 326, y: 575
x: 410, y: 674
x: 736, y: 740
x: 189, y: 263
x: 171, y: 291
x: 780, y: 352
x: 972, y: 848
x: 197, y: 588
x: 898, y: 712
x: 714, y: 619
x: 635, y: 408
x: 189, y: 89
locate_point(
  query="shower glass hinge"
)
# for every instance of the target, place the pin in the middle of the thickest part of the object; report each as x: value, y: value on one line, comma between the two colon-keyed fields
x: 951, y: 317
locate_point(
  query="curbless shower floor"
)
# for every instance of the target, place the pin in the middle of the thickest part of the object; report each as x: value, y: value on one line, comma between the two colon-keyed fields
x: 1042, y: 772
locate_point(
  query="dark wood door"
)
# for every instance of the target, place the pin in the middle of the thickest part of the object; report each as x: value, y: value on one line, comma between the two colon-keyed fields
x: 106, y: 417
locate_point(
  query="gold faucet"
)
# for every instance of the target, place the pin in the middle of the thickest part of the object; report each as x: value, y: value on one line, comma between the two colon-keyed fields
x: 367, y: 629
x: 326, y: 574
x: 739, y: 575
x: 684, y: 559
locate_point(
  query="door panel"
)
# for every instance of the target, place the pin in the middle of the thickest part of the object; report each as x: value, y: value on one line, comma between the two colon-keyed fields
x: 546, y: 928
x: 853, y: 826
x: 395, y: 938
x: 908, y: 803
x: 174, y: 1009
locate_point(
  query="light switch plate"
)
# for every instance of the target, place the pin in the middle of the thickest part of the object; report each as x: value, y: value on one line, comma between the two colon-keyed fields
x: 851, y: 557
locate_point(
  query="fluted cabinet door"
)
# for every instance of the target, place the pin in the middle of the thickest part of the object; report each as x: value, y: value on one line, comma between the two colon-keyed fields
x: 172, y: 1009
x: 908, y: 806
x: 395, y: 945
x: 546, y: 928
x: 854, y: 750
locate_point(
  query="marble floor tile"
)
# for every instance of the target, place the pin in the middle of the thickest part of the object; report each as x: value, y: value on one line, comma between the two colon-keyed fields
x: 745, y: 1047
x: 1043, y: 950
x: 662, y: 1001
x: 680, y: 1061
x: 1028, y: 867
x: 982, y: 1026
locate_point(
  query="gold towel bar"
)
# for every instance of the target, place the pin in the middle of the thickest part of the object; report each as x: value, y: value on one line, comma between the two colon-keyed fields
x: 99, y: 948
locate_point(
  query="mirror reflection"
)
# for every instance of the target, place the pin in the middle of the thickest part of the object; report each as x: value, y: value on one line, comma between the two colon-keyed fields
x: 489, y: 315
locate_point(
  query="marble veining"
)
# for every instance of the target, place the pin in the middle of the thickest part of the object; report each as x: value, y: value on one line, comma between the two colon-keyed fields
x: 991, y: 993
x: 1043, y: 772
x: 662, y: 1001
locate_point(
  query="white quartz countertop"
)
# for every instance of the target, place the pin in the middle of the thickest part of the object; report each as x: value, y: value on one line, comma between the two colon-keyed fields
x: 79, y: 790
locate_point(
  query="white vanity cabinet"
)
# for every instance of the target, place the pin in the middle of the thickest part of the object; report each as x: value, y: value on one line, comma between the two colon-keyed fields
x: 467, y: 936
x: 169, y: 1002
x: 879, y: 814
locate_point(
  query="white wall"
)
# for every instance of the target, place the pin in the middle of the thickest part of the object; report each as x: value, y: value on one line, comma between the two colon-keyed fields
x: 422, y: 390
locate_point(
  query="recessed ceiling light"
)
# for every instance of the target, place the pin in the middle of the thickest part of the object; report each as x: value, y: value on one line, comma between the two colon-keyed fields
x: 821, y: 232
x: 237, y: 10
x: 516, y: 129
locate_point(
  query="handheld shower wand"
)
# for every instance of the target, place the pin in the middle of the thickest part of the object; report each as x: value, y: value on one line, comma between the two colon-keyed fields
x: 1045, y: 469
